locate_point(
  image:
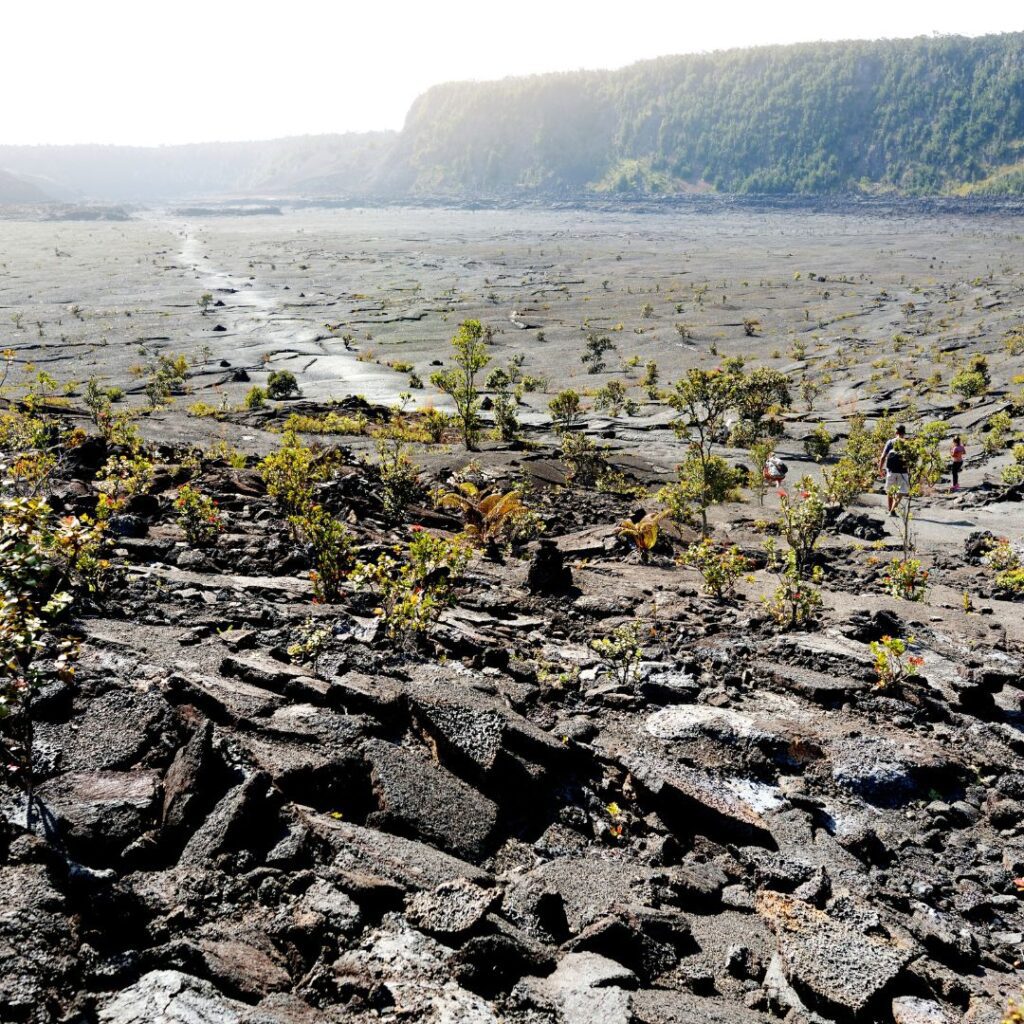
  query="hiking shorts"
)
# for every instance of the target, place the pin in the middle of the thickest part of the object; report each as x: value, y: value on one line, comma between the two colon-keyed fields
x: 898, y: 482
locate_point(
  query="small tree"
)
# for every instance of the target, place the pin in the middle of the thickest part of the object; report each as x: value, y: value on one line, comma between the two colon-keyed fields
x: 702, y: 398
x: 795, y: 603
x: 501, y: 384
x: 282, y: 384
x: 650, y: 379
x: 204, y: 301
x: 854, y: 472
x: 760, y: 453
x: 760, y: 396
x: 459, y: 382
x: 97, y: 401
x: 566, y: 411
x: 597, y: 348
x: 925, y: 465
x: 701, y: 484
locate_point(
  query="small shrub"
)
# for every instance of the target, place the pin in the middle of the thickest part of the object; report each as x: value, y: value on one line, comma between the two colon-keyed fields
x: 1014, y: 474
x: 125, y: 474
x: 167, y: 377
x: 720, y: 567
x: 566, y: 411
x: 436, y: 423
x: 48, y: 565
x: 331, y: 548
x: 583, y: 457
x: 996, y: 434
x: 312, y: 639
x: 399, y: 475
x: 203, y: 410
x: 801, y: 522
x: 255, y: 397
x: 612, y: 481
x: 906, y: 579
x: 622, y: 651
x: 413, y: 585
x: 282, y: 384
x: 892, y: 665
x: 1013, y: 342
x: 1006, y: 563
x: 613, y: 399
x: 818, y: 443
x: 329, y: 423
x: 650, y: 378
x: 291, y: 472
x: 198, y: 516
x: 795, y: 602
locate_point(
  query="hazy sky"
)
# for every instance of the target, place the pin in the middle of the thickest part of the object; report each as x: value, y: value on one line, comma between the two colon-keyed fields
x: 139, y: 71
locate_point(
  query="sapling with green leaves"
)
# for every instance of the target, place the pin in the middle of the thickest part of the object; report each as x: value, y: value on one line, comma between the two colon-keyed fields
x: 703, y: 398
x: 503, y: 387
x: 459, y: 380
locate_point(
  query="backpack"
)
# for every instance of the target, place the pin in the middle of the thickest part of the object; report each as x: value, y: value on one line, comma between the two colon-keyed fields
x: 781, y: 469
x: 894, y: 462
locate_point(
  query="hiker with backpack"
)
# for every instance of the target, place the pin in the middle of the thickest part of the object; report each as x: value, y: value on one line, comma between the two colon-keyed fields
x: 775, y: 470
x: 893, y: 465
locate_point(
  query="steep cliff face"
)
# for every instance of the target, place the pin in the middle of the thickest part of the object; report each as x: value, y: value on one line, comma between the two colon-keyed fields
x: 917, y: 115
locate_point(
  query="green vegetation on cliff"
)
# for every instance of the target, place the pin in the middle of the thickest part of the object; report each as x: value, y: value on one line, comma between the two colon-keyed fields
x: 917, y: 115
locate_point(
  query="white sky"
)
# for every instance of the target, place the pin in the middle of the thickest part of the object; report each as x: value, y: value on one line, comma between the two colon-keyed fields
x: 150, y: 72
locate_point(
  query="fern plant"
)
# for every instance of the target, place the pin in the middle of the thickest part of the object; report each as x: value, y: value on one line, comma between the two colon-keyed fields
x: 642, y: 533
x: 490, y: 517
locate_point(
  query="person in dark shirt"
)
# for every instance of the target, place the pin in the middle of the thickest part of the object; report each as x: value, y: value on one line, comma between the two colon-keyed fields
x: 892, y: 464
